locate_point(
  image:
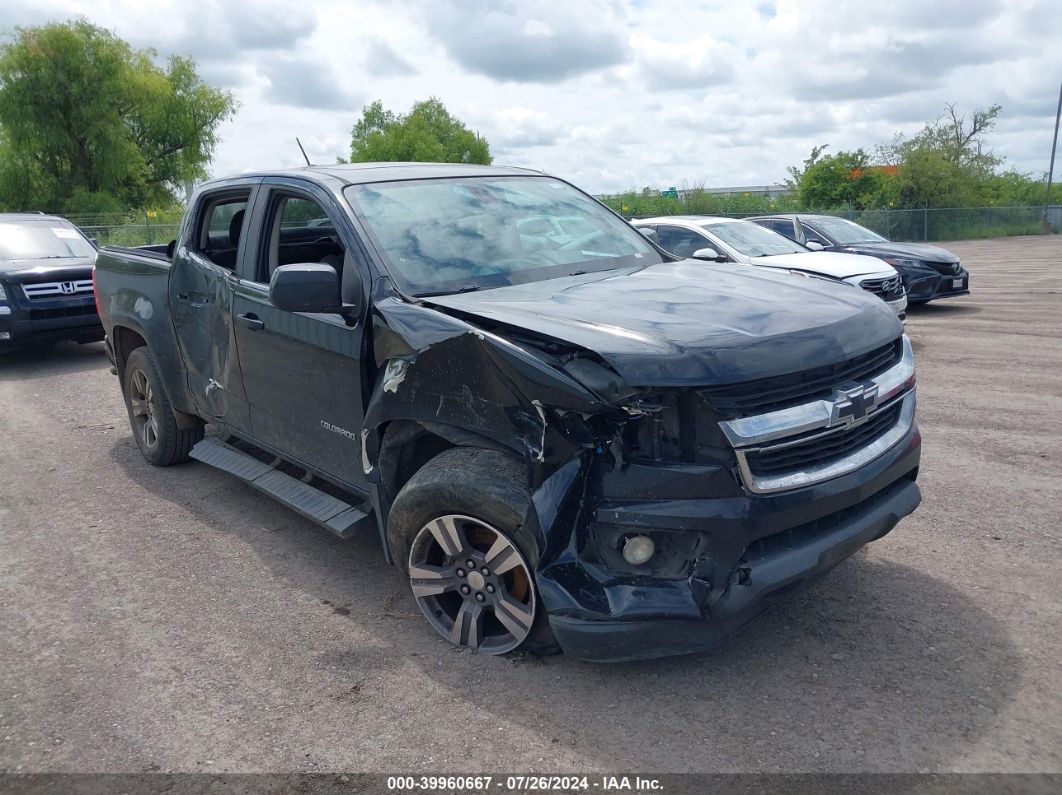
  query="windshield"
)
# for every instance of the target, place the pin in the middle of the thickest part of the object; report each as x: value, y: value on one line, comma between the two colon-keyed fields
x: 451, y: 235
x: 752, y: 240
x: 48, y: 239
x: 844, y: 232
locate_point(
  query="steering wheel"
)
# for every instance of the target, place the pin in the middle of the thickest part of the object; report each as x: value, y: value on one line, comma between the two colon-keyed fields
x: 582, y: 239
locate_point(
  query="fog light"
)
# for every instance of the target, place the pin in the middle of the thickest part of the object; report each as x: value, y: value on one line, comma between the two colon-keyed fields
x: 638, y: 550
x: 5, y: 335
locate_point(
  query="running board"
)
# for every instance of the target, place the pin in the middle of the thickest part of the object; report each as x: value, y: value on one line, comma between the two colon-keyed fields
x: 331, y: 513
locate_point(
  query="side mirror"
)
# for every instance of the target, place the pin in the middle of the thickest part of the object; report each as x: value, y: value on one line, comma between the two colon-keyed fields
x: 814, y: 245
x: 307, y: 287
x: 708, y: 253
x: 650, y: 233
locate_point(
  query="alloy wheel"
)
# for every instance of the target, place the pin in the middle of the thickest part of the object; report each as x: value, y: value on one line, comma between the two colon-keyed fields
x: 472, y: 584
x: 142, y: 405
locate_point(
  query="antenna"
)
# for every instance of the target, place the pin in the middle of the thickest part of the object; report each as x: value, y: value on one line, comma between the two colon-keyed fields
x: 303, y: 151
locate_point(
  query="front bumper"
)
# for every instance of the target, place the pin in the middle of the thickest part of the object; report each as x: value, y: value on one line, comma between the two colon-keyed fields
x: 752, y: 550
x: 898, y: 306
x: 926, y: 285
x: 764, y: 584
x: 44, y: 320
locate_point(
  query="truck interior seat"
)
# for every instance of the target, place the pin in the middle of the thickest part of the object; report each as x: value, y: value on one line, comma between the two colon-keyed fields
x: 235, y: 228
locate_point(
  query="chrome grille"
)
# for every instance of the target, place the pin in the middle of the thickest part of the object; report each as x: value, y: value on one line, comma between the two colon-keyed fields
x: 57, y: 289
x: 888, y: 289
x: 770, y: 394
x: 818, y: 440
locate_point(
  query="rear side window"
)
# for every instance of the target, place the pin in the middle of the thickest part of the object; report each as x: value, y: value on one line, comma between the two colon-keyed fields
x: 220, y: 231
x: 782, y: 226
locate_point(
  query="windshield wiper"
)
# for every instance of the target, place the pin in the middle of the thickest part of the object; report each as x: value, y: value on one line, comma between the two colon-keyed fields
x: 468, y: 288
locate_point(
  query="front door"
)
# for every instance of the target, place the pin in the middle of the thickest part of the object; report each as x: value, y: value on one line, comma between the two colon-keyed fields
x: 202, y: 283
x: 301, y: 372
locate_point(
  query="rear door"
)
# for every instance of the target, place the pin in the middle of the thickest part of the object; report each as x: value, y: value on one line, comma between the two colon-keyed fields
x: 302, y: 372
x: 202, y: 283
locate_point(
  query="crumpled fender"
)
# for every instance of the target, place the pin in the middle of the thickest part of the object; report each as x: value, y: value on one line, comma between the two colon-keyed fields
x: 471, y: 386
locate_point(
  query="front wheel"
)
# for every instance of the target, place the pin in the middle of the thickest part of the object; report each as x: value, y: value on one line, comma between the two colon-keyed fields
x: 458, y: 526
x: 151, y: 417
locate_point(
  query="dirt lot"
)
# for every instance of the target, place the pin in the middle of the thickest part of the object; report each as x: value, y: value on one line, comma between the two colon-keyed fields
x: 173, y: 619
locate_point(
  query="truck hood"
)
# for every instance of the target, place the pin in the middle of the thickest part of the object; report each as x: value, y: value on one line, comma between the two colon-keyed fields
x: 21, y: 268
x: 678, y: 324
x: 827, y: 263
x: 903, y: 250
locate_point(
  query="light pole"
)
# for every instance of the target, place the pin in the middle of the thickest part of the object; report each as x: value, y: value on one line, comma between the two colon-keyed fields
x: 1051, y: 169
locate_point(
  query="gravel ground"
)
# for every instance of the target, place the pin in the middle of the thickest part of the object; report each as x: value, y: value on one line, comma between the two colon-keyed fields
x: 175, y: 620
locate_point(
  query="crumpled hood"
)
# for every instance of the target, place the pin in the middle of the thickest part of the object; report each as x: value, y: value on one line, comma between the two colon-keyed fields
x: 828, y: 263
x: 683, y: 324
x: 905, y: 250
x: 41, y: 267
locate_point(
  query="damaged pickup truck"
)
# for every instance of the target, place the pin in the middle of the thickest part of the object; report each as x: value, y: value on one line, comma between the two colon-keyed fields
x: 568, y: 439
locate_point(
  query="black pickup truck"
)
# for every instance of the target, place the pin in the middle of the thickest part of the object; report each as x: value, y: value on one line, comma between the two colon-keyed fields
x: 45, y: 282
x: 569, y: 439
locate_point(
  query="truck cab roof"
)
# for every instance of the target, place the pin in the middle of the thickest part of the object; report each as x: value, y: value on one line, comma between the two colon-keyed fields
x: 362, y: 173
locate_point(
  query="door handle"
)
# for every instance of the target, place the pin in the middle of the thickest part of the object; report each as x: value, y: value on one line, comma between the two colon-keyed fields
x: 251, y: 321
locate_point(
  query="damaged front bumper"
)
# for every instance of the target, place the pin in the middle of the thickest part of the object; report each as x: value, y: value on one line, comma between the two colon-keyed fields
x: 751, y: 551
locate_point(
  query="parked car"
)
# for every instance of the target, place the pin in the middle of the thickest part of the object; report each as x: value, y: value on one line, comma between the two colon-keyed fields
x: 45, y: 282
x: 730, y: 240
x: 584, y: 443
x: 928, y: 272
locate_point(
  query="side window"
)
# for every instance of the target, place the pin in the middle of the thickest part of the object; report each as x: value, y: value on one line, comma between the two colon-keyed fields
x: 783, y: 226
x: 680, y: 242
x: 220, y: 228
x: 299, y: 231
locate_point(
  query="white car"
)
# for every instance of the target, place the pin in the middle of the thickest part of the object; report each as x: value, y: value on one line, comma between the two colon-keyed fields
x: 733, y: 240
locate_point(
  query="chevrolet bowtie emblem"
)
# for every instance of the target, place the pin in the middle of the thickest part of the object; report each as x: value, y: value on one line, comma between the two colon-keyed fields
x: 852, y: 404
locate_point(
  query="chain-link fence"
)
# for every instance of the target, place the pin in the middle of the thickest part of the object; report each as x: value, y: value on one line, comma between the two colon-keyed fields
x: 950, y: 223
x: 953, y: 223
x: 128, y: 229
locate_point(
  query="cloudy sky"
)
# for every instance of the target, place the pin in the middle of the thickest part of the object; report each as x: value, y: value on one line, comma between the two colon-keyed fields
x: 610, y: 94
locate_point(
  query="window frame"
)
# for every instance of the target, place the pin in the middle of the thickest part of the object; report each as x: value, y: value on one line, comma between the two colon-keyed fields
x: 270, y: 219
x: 207, y: 203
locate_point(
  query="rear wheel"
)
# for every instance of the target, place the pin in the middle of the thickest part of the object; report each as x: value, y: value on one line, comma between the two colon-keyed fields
x: 151, y: 416
x: 458, y: 527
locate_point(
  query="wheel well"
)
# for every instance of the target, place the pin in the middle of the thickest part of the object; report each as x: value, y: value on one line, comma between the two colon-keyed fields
x: 406, y: 447
x: 125, y: 341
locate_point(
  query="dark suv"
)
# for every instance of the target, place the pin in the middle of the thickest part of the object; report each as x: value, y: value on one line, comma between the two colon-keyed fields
x: 928, y: 272
x: 45, y: 282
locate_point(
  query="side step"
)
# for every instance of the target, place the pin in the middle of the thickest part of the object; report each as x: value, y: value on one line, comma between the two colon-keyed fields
x: 341, y: 518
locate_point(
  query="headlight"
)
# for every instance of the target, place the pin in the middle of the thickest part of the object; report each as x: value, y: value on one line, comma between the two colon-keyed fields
x: 822, y: 277
x: 3, y: 295
x: 897, y: 262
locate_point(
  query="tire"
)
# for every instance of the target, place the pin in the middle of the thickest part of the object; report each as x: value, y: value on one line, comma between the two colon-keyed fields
x: 151, y: 416
x: 475, y: 501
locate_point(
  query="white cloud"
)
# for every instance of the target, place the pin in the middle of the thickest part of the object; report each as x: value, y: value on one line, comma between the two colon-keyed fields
x: 609, y: 93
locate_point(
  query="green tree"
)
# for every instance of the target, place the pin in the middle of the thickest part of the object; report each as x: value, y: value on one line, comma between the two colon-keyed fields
x: 428, y: 133
x: 846, y: 179
x: 87, y: 122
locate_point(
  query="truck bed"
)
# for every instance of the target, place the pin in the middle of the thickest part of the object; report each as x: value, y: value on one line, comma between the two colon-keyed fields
x: 146, y: 252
